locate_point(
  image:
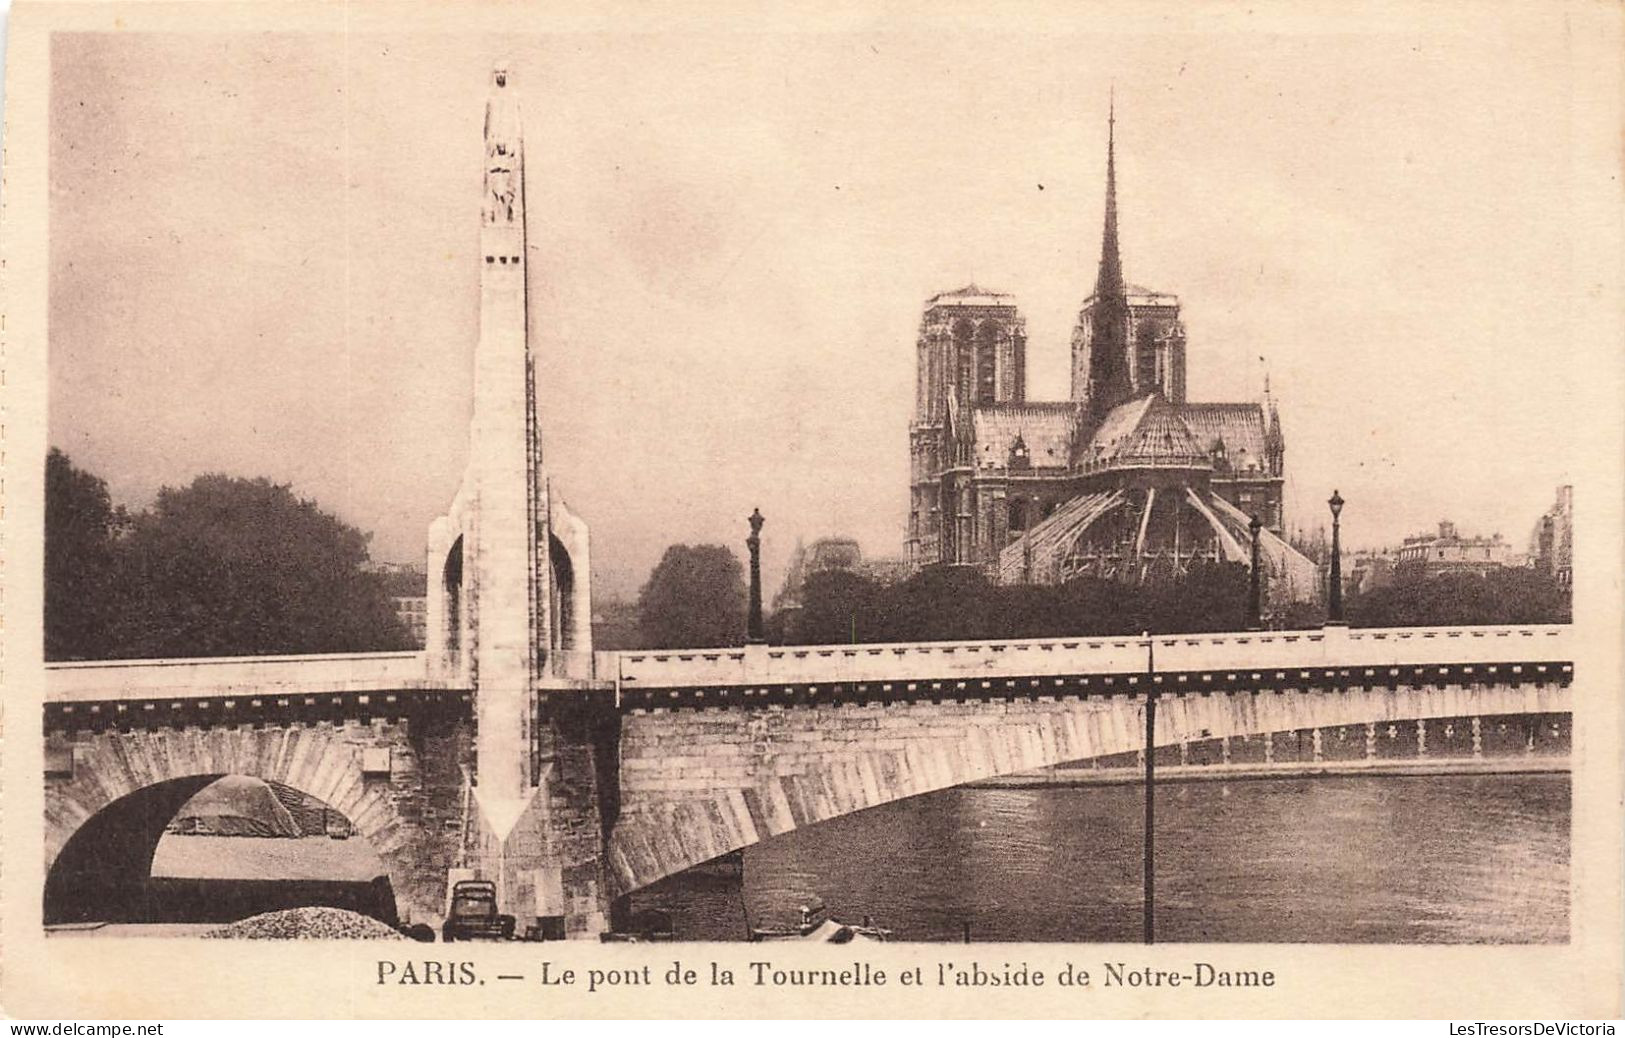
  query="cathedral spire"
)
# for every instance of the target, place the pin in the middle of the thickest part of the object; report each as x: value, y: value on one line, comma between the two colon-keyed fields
x: 1110, y: 280
x: 1110, y: 383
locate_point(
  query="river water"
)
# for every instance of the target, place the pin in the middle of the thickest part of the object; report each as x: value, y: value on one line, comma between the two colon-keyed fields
x: 1440, y: 859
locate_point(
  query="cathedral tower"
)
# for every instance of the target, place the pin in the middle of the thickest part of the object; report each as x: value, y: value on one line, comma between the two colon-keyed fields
x: 971, y: 352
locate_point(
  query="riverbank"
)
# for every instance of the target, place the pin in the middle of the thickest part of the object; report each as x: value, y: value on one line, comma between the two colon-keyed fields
x: 1062, y: 776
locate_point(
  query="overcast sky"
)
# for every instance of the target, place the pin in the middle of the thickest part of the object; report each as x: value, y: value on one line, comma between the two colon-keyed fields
x: 264, y: 261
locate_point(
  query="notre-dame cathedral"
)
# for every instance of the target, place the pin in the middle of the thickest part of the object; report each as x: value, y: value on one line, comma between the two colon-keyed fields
x: 1125, y: 480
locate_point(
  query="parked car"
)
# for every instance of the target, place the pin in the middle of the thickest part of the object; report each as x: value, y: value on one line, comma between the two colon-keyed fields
x: 473, y: 914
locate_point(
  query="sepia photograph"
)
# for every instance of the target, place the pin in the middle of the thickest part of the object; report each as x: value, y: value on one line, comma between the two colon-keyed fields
x: 883, y: 483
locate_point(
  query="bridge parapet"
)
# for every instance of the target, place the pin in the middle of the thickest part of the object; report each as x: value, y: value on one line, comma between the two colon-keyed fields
x: 1334, y: 647
x: 119, y: 680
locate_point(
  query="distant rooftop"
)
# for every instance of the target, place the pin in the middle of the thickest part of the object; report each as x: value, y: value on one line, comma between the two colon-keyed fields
x: 1448, y: 534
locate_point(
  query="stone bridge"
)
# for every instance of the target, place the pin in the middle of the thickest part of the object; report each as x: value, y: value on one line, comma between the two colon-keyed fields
x: 672, y: 759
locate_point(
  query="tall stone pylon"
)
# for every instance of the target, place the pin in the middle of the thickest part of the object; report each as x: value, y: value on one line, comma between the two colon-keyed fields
x: 509, y: 611
x: 514, y: 592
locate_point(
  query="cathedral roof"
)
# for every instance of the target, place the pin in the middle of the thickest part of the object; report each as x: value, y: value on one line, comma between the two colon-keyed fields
x: 1119, y: 422
x: 1139, y: 295
x: 1240, y: 427
x: 1144, y: 431
x: 971, y: 295
x: 1045, y: 429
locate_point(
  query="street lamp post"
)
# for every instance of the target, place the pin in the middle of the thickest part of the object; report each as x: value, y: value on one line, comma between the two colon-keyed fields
x: 1148, y: 905
x: 1334, y: 589
x: 1255, y: 592
x: 753, y: 624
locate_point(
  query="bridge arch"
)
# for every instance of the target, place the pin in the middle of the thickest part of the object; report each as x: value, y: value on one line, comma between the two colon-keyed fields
x: 451, y: 591
x: 697, y: 784
x: 103, y: 825
x: 564, y: 585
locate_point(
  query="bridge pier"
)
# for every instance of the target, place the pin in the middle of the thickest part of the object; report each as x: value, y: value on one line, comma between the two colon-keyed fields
x: 549, y: 867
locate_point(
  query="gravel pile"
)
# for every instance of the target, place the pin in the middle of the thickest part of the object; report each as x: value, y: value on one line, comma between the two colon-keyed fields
x: 309, y: 923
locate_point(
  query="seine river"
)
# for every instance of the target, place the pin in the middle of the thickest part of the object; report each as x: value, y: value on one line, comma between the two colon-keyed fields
x: 1453, y: 859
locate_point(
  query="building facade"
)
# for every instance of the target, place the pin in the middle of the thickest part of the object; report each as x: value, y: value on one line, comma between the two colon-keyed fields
x: 1126, y: 479
x: 413, y: 612
x: 1447, y: 551
x: 407, y: 588
x: 1371, y: 570
x: 1551, y: 546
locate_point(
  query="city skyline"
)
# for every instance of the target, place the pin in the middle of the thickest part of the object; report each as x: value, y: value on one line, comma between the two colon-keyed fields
x: 700, y: 308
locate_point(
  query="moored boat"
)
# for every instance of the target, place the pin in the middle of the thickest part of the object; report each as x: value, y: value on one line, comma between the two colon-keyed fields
x: 817, y: 927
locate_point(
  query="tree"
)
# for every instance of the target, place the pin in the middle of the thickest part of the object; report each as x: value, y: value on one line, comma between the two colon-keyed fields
x: 229, y: 567
x: 223, y: 567
x: 81, y: 525
x: 840, y: 606
x: 1097, y: 606
x: 694, y: 598
x: 1500, y: 596
x: 1297, y: 616
x: 1211, y: 596
x: 1030, y: 611
x: 947, y: 603
x: 233, y: 566
x: 951, y: 603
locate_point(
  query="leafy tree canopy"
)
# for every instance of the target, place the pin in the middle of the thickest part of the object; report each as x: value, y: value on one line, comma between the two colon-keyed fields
x: 1500, y: 596
x: 959, y: 603
x: 225, y: 566
x: 694, y: 598
x: 80, y: 526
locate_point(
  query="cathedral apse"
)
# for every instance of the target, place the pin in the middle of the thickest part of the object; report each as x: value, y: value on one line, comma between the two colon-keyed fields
x: 1126, y: 480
